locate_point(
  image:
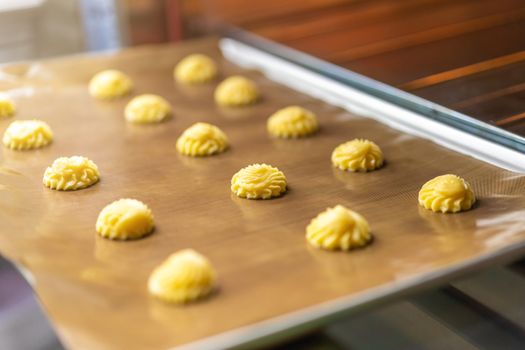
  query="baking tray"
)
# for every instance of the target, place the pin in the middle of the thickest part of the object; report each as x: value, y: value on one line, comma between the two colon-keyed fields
x: 272, y: 284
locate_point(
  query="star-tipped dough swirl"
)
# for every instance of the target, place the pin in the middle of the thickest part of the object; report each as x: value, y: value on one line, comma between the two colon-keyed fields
x: 357, y: 155
x: 71, y: 173
x: 447, y: 194
x: 110, y: 84
x: 258, y: 181
x: 338, y: 228
x: 185, y: 276
x: 195, y: 69
x: 236, y: 91
x: 292, y: 122
x: 125, y: 219
x: 147, y: 108
x: 7, y: 106
x: 202, y: 139
x: 27, y: 134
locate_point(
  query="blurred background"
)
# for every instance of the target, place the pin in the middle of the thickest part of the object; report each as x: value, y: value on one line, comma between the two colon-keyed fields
x: 43, y: 28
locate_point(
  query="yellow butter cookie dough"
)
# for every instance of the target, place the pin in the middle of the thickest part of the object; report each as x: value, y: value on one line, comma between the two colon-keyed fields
x: 447, y: 194
x: 110, y: 84
x: 125, y: 219
x: 195, y: 69
x: 236, y: 91
x: 185, y: 276
x: 7, y: 106
x: 202, y: 139
x: 147, y: 108
x: 258, y: 181
x: 338, y: 228
x: 357, y: 155
x: 292, y: 122
x: 71, y: 173
x: 27, y: 134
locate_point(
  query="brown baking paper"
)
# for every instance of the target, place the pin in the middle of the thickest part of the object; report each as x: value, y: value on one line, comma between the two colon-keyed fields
x: 94, y: 290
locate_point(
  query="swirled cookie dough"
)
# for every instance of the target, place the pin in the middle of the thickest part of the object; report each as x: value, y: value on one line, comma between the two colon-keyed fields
x: 71, y: 173
x: 110, y: 84
x: 236, y: 91
x: 447, y: 194
x: 125, y: 219
x: 258, y: 181
x: 292, y: 122
x: 27, y: 134
x: 202, y: 139
x: 147, y: 108
x: 357, y: 155
x: 338, y: 228
x: 185, y: 276
x: 7, y: 106
x: 195, y: 69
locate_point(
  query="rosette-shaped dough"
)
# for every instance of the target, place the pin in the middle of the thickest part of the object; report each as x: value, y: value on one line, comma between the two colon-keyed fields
x: 357, y: 155
x: 195, y: 69
x: 147, y: 109
x: 7, y: 106
x: 110, y: 84
x: 202, y: 139
x: 338, y: 228
x: 447, y: 194
x: 184, y: 276
x: 125, y: 219
x: 71, y: 173
x: 258, y: 181
x: 292, y: 122
x: 236, y: 91
x: 27, y: 134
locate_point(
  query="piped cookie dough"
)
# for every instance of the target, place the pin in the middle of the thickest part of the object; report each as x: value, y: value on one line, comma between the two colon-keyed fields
x: 110, y: 84
x: 447, y: 194
x: 258, y: 181
x: 292, y: 122
x: 236, y: 91
x: 195, y: 69
x: 185, y: 276
x: 7, y: 106
x: 146, y: 109
x: 125, y: 219
x: 71, y: 173
x: 202, y: 139
x: 338, y: 228
x: 27, y: 134
x: 357, y: 155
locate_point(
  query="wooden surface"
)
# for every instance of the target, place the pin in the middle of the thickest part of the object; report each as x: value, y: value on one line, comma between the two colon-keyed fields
x: 94, y: 290
x: 468, y: 55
